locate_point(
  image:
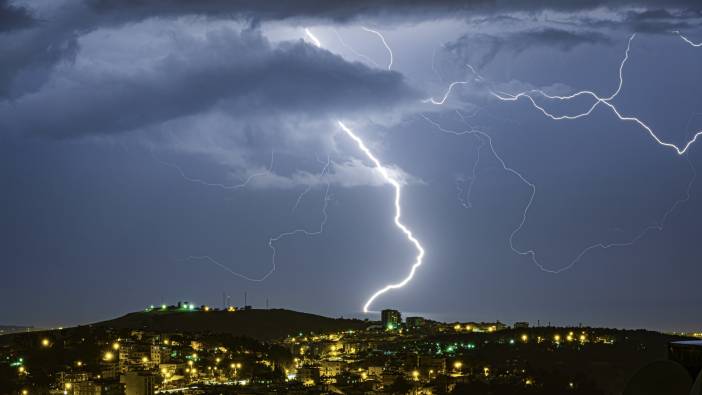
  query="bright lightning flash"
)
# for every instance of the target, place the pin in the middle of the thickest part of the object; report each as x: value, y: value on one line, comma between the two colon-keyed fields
x: 687, y: 40
x: 385, y: 43
x: 598, y: 100
x: 313, y: 38
x: 607, y: 101
x: 398, y: 213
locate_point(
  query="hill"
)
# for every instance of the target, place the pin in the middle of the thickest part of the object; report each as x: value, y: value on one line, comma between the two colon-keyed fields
x: 257, y: 324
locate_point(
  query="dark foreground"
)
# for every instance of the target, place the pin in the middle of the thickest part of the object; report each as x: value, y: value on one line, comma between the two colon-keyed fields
x: 194, y: 351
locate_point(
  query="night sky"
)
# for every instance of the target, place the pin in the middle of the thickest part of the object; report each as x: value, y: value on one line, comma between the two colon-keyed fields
x: 149, y: 150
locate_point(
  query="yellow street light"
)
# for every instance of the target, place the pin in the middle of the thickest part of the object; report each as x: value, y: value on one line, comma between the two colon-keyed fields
x: 45, y: 342
x: 415, y: 374
x: 109, y: 356
x: 457, y: 365
x: 525, y: 338
x: 115, y: 346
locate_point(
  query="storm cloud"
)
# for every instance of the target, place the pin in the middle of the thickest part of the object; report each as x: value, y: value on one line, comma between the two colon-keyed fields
x: 237, y: 72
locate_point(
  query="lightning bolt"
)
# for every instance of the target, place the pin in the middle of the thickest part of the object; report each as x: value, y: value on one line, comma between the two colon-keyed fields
x: 242, y: 184
x: 273, y: 240
x: 398, y: 214
x: 313, y: 38
x: 658, y: 226
x: 353, y: 51
x: 687, y: 40
x: 680, y: 150
x: 385, y: 43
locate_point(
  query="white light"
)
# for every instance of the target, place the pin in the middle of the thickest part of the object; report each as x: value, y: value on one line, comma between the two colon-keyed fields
x: 598, y: 100
x: 385, y: 43
x: 312, y: 37
x: 687, y: 40
x: 398, y: 213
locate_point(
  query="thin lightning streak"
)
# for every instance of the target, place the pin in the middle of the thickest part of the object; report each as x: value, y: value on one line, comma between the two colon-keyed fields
x: 313, y: 38
x: 273, y: 240
x: 385, y: 43
x: 433, y: 65
x: 465, y: 193
x: 243, y: 184
x: 447, y: 94
x: 451, y: 86
x: 687, y: 40
x: 604, y: 246
x: 398, y: 213
x: 306, y: 190
x: 680, y: 150
x: 353, y: 51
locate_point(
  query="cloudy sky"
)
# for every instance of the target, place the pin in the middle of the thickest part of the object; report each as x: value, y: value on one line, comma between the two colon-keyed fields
x: 156, y: 151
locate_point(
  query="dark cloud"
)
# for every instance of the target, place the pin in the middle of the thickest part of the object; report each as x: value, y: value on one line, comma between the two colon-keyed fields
x: 12, y: 17
x: 338, y: 11
x: 238, y: 72
x: 348, y: 10
x: 29, y: 57
x: 662, y: 20
x: 481, y: 49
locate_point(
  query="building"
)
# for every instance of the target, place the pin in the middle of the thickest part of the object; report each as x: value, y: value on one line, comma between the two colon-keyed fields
x: 415, y: 322
x: 98, y: 388
x: 330, y: 368
x: 391, y: 319
x: 308, y: 375
x: 138, y: 383
x: 688, y: 354
x: 521, y: 325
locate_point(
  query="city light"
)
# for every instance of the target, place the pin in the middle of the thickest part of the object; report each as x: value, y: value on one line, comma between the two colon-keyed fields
x: 115, y: 346
x: 109, y: 356
x: 525, y: 338
x: 45, y: 342
x: 457, y: 365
